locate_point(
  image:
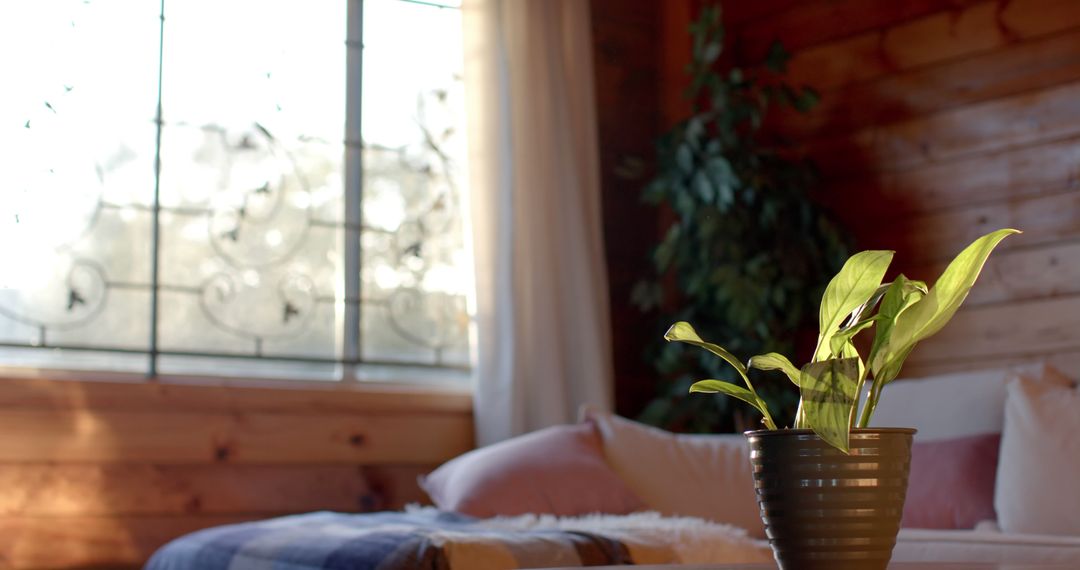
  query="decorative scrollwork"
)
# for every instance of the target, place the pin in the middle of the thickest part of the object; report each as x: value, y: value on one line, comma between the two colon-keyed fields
x: 251, y: 309
x: 430, y: 319
x: 252, y: 222
x: 72, y: 296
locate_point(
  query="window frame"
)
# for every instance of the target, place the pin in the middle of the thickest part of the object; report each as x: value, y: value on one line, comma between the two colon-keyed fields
x: 349, y: 364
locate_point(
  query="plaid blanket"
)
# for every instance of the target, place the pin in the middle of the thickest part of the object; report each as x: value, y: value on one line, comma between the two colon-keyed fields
x: 431, y: 539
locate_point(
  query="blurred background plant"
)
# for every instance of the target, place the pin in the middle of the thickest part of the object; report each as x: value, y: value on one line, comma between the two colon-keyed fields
x: 747, y: 253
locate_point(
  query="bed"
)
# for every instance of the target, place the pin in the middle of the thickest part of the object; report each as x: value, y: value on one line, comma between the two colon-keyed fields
x: 433, y: 539
x: 668, y: 498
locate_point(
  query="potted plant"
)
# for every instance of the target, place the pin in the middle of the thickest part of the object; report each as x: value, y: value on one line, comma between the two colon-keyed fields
x: 832, y: 489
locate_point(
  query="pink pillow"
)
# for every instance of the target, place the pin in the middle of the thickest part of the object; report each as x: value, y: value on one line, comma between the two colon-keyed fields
x: 559, y: 470
x: 952, y: 482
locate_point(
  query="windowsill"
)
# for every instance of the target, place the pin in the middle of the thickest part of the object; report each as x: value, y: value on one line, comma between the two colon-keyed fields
x: 244, y: 394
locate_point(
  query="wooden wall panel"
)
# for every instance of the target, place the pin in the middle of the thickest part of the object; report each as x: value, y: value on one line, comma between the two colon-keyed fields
x: 940, y: 236
x: 99, y: 474
x: 1011, y: 122
x: 1019, y: 68
x: 940, y: 36
x: 106, y: 543
x: 83, y: 489
x: 942, y: 121
x: 994, y: 177
x: 136, y: 437
x: 807, y: 24
x: 993, y: 330
x: 627, y: 53
x: 1023, y: 273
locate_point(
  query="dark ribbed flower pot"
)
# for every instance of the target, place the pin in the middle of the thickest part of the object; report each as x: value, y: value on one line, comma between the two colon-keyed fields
x: 824, y: 510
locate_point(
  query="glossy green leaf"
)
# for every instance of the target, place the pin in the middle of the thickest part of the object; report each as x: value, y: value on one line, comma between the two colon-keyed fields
x: 683, y: 332
x: 728, y: 389
x: 775, y: 361
x: 868, y: 306
x: 902, y: 293
x: 828, y: 390
x: 851, y: 287
x: 928, y: 315
x: 843, y: 336
x: 849, y: 351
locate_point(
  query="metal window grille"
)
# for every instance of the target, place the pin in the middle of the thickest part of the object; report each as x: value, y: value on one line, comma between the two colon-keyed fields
x: 222, y: 226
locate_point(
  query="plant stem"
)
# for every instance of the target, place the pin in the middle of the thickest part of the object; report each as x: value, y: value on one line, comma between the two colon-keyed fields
x: 769, y: 423
x: 855, y: 404
x: 871, y: 404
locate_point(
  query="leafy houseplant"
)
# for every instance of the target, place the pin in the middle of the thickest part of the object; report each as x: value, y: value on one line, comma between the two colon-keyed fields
x: 808, y: 471
x: 747, y: 252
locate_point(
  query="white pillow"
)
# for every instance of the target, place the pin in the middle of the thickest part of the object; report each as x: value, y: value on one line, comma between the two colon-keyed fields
x: 705, y: 476
x: 954, y: 405
x: 1038, y: 477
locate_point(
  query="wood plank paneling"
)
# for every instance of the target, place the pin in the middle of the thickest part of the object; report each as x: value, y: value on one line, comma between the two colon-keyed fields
x: 1021, y: 274
x: 99, y: 474
x: 47, y: 489
x: 1042, y: 326
x: 1068, y: 362
x: 123, y: 436
x: 811, y: 23
x: 1002, y: 176
x: 1020, y: 68
x: 941, y: 36
x: 996, y: 125
x: 52, y: 390
x: 940, y: 236
x: 94, y: 542
x: 941, y: 122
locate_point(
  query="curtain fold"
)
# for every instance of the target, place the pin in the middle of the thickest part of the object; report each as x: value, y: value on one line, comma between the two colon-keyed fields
x: 543, y: 325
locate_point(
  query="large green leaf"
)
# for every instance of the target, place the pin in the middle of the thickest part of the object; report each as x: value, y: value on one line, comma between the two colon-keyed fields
x: 776, y: 361
x: 828, y: 391
x: 683, y: 332
x: 928, y: 315
x: 728, y: 389
x: 851, y: 287
x: 902, y: 294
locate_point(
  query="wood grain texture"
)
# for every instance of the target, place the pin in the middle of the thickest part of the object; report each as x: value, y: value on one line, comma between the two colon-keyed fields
x: 1013, y: 330
x: 57, y: 391
x: 135, y: 437
x: 942, y: 122
x: 47, y: 489
x: 1067, y: 361
x: 939, y: 37
x: 810, y: 23
x: 1011, y: 122
x: 1002, y: 176
x: 99, y: 474
x: 1019, y: 68
x: 940, y: 236
x: 1021, y: 274
x: 94, y: 542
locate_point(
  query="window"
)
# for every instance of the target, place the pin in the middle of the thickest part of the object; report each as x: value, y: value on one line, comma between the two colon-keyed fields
x: 234, y: 187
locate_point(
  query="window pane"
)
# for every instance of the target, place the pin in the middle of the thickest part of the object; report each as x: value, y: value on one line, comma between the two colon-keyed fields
x: 77, y: 129
x: 415, y: 275
x: 251, y: 244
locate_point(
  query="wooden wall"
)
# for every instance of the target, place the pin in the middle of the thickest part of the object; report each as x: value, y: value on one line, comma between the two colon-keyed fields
x: 99, y: 474
x: 627, y: 51
x: 942, y: 120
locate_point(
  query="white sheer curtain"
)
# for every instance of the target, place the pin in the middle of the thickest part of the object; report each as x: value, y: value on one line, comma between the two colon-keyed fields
x: 544, y: 342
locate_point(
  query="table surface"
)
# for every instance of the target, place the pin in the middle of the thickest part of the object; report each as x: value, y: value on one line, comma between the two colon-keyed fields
x: 893, y: 566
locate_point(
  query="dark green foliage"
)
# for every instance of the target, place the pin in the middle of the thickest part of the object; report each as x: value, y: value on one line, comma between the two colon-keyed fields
x: 748, y: 253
